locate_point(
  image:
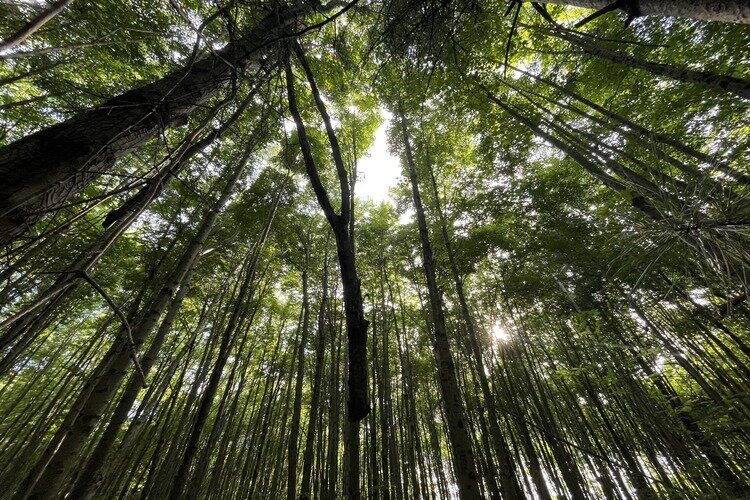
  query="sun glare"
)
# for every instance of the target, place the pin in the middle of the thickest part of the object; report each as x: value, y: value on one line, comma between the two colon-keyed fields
x: 499, y: 334
x: 380, y: 169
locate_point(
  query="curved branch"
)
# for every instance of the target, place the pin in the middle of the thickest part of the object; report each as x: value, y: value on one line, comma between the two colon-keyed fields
x: 332, y: 139
x: 126, y: 324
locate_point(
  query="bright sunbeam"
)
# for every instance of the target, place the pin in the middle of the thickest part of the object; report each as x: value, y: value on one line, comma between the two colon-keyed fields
x: 499, y: 334
x: 380, y: 169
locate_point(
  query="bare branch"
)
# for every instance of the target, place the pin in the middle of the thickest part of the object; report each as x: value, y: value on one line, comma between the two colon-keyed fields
x: 332, y: 139
x: 128, y: 331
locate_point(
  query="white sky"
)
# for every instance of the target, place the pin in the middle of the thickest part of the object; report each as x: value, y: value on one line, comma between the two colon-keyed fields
x: 379, y: 170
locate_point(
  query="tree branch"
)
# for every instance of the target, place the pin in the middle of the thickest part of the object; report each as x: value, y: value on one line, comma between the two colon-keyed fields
x: 128, y: 331
x: 304, y: 143
x: 32, y: 26
x: 332, y: 139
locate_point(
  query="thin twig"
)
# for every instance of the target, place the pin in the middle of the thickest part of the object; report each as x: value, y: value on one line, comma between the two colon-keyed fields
x: 510, y: 34
x: 118, y: 311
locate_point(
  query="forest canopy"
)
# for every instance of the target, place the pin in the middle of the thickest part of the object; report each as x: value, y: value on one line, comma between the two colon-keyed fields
x: 198, y: 301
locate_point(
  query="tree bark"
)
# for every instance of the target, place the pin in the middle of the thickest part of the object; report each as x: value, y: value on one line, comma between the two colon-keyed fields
x: 639, y: 202
x: 239, y: 310
x: 307, y: 457
x: 463, y: 456
x: 120, y: 219
x: 729, y: 11
x: 293, y: 452
x: 88, y: 478
x: 42, y: 170
x: 626, y: 126
x: 46, y: 477
x: 356, y: 324
x: 726, y: 83
x: 510, y: 486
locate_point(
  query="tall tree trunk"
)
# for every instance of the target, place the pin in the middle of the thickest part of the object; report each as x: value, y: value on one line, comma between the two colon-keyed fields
x: 389, y: 402
x: 120, y: 219
x: 163, y: 462
x: 334, y: 407
x: 292, y: 455
x: 42, y: 170
x: 463, y: 456
x: 239, y: 311
x: 413, y: 441
x: 730, y: 11
x: 590, y: 166
x: 46, y: 476
x: 511, y: 488
x: 352, y: 488
x: 50, y: 471
x: 356, y: 324
x: 307, y: 458
x: 88, y: 477
x: 628, y: 127
x: 737, y: 86
x: 277, y: 473
x: 726, y: 264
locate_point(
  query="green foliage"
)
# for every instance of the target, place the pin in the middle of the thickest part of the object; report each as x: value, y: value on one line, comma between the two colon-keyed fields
x: 614, y: 342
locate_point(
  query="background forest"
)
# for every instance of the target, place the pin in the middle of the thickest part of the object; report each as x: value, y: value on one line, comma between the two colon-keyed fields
x: 196, y: 301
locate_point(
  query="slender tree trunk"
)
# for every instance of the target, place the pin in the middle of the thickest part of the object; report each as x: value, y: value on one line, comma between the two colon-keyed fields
x: 163, y: 462
x: 374, y: 471
x: 50, y: 470
x: 511, y: 488
x: 356, y: 324
x: 68, y: 279
x: 590, y: 166
x: 277, y: 473
x: 197, y: 477
x: 463, y: 456
x: 334, y: 408
x: 46, y: 477
x: 293, y: 452
x: 119, y: 220
x: 637, y: 136
x: 408, y: 462
x: 352, y: 489
x: 116, y: 360
x: 307, y: 458
x: 239, y: 311
x: 96, y: 459
x: 737, y: 86
x: 181, y: 479
x: 724, y: 263
x: 630, y: 128
x: 389, y: 402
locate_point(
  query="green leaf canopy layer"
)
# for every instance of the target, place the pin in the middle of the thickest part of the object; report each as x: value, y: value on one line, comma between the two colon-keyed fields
x: 202, y: 297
